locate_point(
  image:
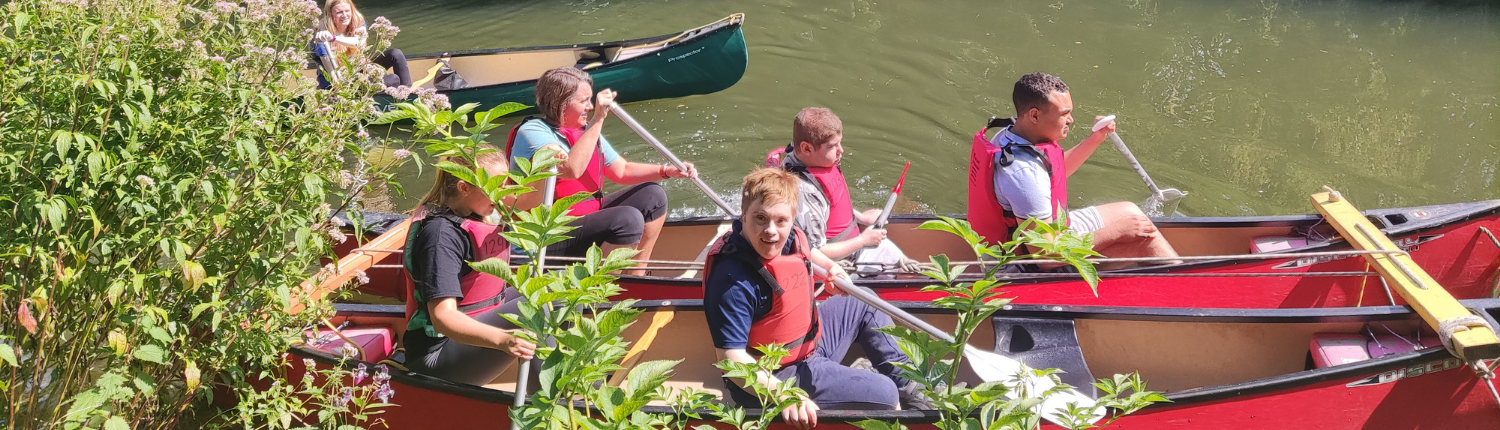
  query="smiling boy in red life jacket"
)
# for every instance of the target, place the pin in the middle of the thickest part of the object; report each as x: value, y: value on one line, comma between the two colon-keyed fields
x: 824, y: 209
x: 1022, y: 173
x: 758, y: 290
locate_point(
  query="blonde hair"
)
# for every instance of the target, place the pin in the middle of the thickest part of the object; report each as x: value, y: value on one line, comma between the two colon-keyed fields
x: 554, y: 89
x: 769, y: 185
x: 445, y: 187
x: 815, y: 125
x: 326, y: 22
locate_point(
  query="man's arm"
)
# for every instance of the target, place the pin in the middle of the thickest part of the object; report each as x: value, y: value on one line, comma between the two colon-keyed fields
x: 870, y: 237
x: 1073, y: 158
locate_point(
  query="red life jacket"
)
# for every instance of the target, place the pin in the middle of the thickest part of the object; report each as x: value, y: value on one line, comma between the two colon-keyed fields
x: 793, y: 318
x: 835, y: 189
x: 591, y: 181
x: 482, y: 292
x: 985, y: 214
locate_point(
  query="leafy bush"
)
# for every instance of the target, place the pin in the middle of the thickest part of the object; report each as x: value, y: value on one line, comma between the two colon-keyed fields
x: 163, y: 181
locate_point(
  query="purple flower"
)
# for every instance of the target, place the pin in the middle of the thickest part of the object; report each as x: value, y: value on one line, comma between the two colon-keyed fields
x: 362, y: 277
x: 359, y: 374
x: 399, y: 93
x: 363, y: 134
x: 344, y: 398
x: 382, y: 374
x: 401, y: 154
x: 217, y: 58
x: 385, y: 393
x: 225, y: 7
x: 309, y: 364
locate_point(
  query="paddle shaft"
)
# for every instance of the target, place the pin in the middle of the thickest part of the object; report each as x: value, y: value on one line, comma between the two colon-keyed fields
x: 1120, y: 144
x: 890, y: 202
x: 523, y: 373
x: 870, y: 298
x: 676, y: 162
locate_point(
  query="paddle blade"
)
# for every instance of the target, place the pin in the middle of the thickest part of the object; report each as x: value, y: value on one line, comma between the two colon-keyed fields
x: 901, y: 181
x: 992, y: 367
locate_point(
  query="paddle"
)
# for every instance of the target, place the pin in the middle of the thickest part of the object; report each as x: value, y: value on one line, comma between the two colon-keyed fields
x: 990, y: 367
x: 523, y: 374
x: 890, y: 202
x: 639, y: 130
x: 330, y: 65
x: 1157, y: 194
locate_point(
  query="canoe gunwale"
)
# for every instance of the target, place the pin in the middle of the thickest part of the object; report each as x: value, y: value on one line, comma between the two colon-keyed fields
x: 1271, y: 384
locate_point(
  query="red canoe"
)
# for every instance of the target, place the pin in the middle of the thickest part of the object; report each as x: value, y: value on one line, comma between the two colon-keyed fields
x: 1453, y: 242
x: 1222, y: 368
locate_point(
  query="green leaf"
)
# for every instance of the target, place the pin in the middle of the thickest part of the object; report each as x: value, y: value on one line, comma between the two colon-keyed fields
x: 8, y: 355
x: 116, y: 423
x: 151, y: 353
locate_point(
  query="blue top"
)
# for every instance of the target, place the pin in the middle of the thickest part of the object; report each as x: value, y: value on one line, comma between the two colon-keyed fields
x: 1024, y: 186
x: 735, y: 295
x: 533, y: 135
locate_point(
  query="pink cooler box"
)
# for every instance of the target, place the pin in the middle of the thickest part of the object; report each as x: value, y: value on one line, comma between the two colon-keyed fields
x: 374, y: 341
x: 1331, y: 349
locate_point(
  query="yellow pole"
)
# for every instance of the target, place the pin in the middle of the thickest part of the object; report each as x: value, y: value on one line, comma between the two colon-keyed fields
x: 1420, y: 290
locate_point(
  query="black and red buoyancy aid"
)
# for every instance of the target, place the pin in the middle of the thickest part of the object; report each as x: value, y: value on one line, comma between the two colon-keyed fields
x: 985, y: 214
x: 591, y: 181
x: 482, y: 292
x: 793, y: 318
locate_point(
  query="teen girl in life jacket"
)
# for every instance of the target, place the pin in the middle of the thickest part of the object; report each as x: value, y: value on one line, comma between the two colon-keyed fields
x: 454, y: 329
x: 629, y: 217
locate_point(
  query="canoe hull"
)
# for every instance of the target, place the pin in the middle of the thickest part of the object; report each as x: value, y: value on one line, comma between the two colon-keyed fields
x: 706, y: 64
x: 1426, y: 388
x: 1452, y: 246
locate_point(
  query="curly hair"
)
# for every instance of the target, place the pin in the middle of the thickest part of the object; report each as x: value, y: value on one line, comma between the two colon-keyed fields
x: 1032, y: 90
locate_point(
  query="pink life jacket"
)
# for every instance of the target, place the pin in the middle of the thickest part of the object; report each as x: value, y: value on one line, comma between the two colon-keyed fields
x: 793, y: 318
x: 985, y: 214
x: 591, y: 181
x: 481, y: 291
x: 835, y: 188
x: 840, y: 209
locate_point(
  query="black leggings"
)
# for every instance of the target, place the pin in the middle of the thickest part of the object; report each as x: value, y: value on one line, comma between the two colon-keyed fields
x: 620, y: 220
x: 395, y: 60
x: 469, y: 364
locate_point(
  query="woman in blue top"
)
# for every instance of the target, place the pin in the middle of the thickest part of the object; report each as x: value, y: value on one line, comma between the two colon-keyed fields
x: 629, y: 217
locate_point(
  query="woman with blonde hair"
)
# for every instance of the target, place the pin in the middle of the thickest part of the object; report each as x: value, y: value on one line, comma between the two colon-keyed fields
x: 343, y: 28
x: 454, y: 330
x: 629, y: 217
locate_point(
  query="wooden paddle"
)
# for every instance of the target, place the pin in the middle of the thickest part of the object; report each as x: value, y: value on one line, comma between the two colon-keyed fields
x: 990, y: 367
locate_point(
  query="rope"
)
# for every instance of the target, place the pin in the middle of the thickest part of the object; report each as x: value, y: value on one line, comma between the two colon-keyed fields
x: 1486, y: 373
x: 1449, y: 327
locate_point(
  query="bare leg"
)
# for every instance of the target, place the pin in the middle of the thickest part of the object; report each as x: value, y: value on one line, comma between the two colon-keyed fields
x: 1128, y: 232
x: 647, y: 243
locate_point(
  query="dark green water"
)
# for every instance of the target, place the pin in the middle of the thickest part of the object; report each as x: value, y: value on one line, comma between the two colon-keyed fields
x: 1248, y: 105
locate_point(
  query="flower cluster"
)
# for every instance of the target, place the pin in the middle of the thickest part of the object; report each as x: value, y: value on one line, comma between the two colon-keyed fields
x: 383, y: 29
x: 383, y: 388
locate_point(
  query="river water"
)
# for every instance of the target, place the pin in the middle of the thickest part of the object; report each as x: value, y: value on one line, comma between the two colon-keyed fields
x: 1250, y: 106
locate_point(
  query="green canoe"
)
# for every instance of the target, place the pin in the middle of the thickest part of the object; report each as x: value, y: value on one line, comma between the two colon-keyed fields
x: 697, y: 61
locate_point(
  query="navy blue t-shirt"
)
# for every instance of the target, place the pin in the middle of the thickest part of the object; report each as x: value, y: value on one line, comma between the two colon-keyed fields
x: 735, y: 295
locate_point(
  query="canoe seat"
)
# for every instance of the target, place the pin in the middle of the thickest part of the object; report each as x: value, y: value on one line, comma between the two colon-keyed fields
x: 1044, y: 343
x: 373, y: 342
